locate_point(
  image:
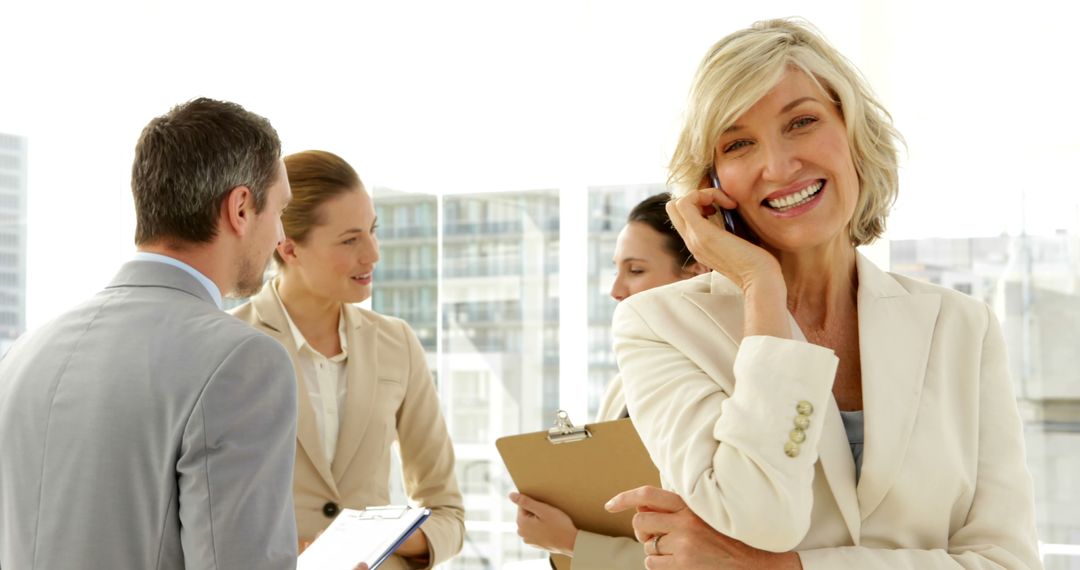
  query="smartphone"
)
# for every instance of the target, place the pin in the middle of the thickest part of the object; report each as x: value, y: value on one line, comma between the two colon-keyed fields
x: 733, y: 222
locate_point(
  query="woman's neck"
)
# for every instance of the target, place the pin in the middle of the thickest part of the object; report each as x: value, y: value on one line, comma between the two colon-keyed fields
x: 316, y: 316
x: 821, y: 284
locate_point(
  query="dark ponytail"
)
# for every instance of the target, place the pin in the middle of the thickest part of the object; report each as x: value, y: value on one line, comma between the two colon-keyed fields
x: 651, y: 211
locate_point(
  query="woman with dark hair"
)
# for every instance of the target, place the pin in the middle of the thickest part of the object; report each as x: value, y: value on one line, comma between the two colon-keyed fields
x: 648, y: 253
x: 363, y: 382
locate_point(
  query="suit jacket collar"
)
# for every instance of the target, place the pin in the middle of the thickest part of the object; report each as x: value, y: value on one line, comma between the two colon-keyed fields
x: 298, y: 337
x: 895, y: 333
x: 359, y: 390
x: 154, y: 274
x: 896, y: 330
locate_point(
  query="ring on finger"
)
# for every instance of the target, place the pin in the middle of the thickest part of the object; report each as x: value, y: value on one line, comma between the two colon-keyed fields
x: 656, y: 544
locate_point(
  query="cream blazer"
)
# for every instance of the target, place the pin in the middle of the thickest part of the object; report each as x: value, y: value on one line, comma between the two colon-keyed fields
x: 597, y: 551
x: 389, y: 396
x: 944, y: 482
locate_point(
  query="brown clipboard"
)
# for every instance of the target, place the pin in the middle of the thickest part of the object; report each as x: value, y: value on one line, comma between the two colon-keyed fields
x: 578, y: 469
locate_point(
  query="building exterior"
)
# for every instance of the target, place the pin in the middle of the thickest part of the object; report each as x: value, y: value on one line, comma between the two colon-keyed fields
x: 13, y: 158
x: 482, y: 271
x: 608, y: 208
x: 408, y: 268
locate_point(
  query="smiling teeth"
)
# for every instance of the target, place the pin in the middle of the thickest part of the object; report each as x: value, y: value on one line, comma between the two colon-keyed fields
x: 796, y: 199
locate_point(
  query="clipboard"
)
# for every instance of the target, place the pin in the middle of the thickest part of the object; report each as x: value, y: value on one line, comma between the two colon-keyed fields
x: 370, y: 535
x: 578, y: 469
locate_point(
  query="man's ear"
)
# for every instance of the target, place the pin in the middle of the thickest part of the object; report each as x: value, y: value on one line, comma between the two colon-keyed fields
x: 287, y: 250
x: 238, y: 210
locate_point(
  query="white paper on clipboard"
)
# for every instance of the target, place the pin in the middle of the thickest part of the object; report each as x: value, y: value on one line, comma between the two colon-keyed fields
x: 370, y: 535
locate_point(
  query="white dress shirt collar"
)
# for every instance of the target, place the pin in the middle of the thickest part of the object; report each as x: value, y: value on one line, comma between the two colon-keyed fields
x: 211, y: 288
x: 298, y: 337
x: 324, y: 378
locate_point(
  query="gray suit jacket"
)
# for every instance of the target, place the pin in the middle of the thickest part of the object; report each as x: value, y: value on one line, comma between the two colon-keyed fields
x: 147, y: 429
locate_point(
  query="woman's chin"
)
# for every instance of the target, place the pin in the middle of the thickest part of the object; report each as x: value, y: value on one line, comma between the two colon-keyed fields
x: 808, y: 240
x: 356, y: 294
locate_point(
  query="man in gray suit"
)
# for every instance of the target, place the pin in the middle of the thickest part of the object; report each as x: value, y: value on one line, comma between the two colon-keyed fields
x: 146, y: 428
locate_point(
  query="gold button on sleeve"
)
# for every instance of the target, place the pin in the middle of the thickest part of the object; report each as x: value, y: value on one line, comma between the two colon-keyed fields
x: 798, y: 435
x: 791, y: 449
x: 804, y: 408
x: 802, y: 422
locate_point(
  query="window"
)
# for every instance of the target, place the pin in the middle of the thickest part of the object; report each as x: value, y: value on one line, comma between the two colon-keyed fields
x: 497, y: 349
x: 10, y: 161
x: 608, y: 208
x: 10, y: 142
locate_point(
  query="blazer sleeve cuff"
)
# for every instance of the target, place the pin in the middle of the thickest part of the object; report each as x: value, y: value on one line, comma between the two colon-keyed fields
x: 780, y: 385
x: 600, y: 552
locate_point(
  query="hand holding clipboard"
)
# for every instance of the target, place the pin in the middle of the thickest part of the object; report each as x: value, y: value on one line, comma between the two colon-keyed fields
x: 578, y: 469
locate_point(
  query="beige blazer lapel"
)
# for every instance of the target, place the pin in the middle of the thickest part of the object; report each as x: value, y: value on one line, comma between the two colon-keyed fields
x: 724, y: 305
x: 274, y: 323
x: 834, y: 453
x: 360, y: 387
x: 896, y: 330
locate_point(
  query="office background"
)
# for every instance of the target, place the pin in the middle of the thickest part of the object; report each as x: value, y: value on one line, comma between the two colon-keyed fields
x: 504, y: 143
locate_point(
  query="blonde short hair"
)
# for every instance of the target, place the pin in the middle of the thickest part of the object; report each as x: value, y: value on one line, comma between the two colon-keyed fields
x: 741, y: 68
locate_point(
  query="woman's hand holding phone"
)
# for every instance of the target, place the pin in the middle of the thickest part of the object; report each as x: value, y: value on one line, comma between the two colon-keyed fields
x: 749, y: 266
x: 694, y: 216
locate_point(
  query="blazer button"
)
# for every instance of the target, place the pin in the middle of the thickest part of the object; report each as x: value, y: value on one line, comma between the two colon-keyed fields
x: 804, y: 408
x: 330, y: 510
x: 791, y: 449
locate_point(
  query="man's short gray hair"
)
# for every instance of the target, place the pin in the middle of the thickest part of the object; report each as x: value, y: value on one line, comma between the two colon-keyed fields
x: 188, y: 160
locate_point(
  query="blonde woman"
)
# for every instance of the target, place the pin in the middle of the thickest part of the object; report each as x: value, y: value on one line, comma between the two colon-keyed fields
x: 363, y: 380
x: 648, y: 253
x: 753, y: 387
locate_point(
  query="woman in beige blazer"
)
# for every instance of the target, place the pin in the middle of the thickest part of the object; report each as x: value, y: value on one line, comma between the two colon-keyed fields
x: 648, y: 253
x: 363, y: 382
x: 751, y: 386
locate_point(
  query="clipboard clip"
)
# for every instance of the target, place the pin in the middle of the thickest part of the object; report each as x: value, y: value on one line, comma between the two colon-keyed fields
x: 381, y: 513
x: 564, y: 430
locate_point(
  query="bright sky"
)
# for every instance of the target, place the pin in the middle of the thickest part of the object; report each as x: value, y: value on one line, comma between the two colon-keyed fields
x: 504, y: 95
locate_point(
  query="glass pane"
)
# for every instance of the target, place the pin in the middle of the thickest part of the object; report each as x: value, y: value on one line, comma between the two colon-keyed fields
x: 406, y: 276
x: 500, y: 351
x: 498, y: 358
x: 608, y: 208
x: 13, y: 159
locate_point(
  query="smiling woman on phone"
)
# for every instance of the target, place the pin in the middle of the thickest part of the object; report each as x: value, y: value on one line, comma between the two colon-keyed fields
x: 806, y: 409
